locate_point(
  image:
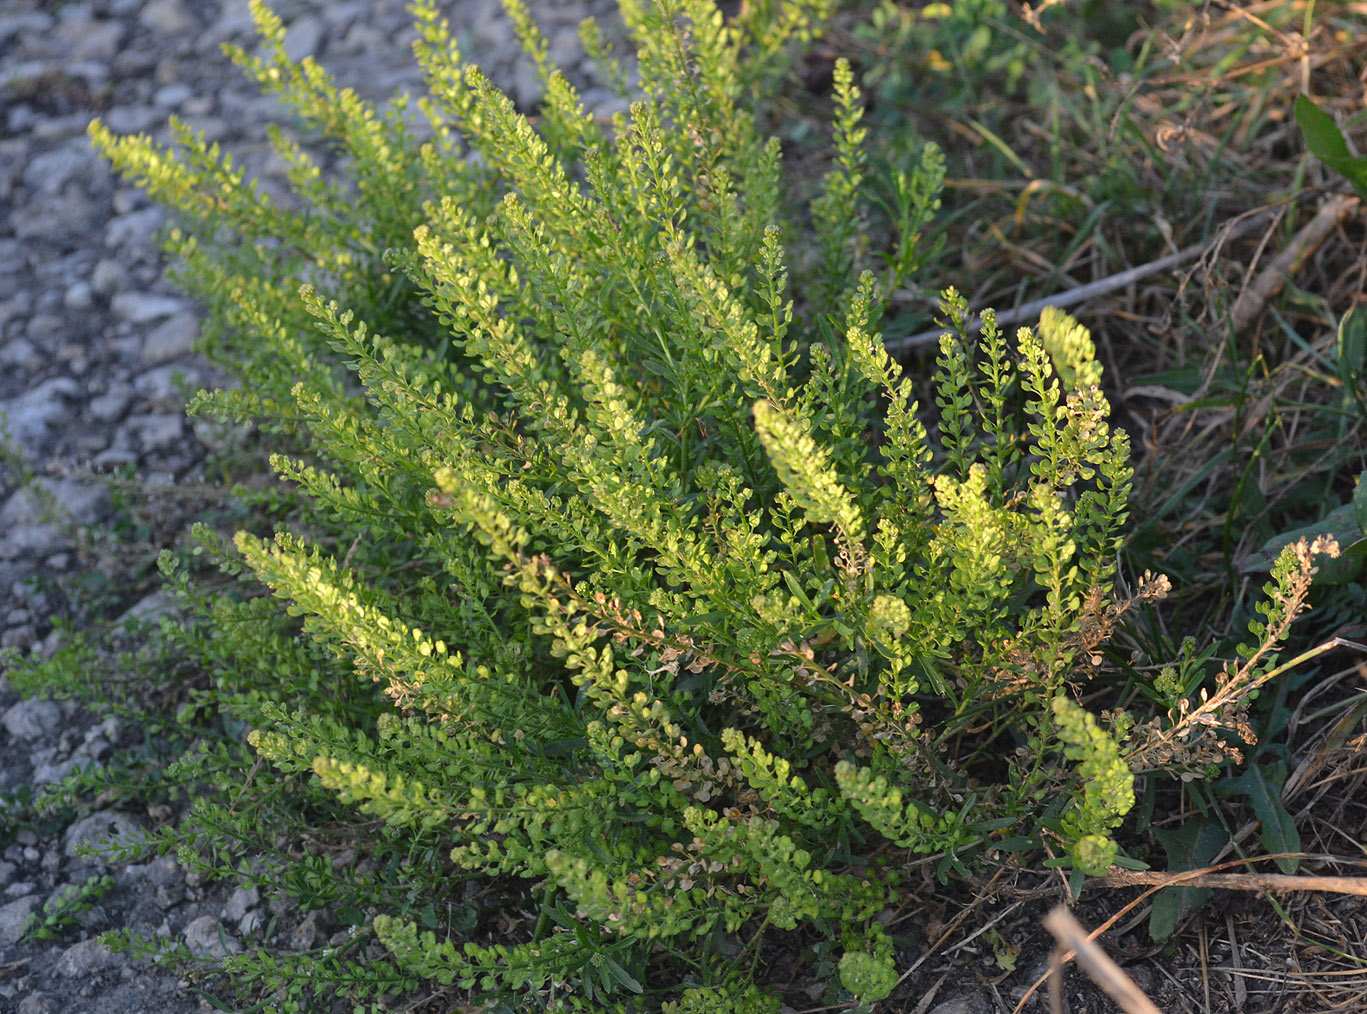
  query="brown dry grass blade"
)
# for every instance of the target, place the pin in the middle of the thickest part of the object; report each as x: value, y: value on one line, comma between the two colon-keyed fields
x: 1072, y: 937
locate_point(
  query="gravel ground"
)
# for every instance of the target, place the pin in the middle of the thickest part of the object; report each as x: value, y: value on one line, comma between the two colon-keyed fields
x: 95, y: 344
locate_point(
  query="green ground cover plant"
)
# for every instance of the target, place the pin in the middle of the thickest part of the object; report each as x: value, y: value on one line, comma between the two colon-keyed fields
x: 620, y: 578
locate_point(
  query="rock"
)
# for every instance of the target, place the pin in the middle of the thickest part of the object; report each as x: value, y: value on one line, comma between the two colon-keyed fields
x: 50, y: 772
x: 109, y: 275
x: 39, y: 517
x: 170, y: 16
x: 240, y: 902
x: 206, y: 937
x: 969, y: 1003
x: 132, y: 119
x: 86, y: 502
x: 46, y: 330
x: 85, y: 959
x: 79, y: 297
x: 173, y: 95
x: 133, y: 228
x: 52, y: 170
x: 14, y: 918
x: 166, y: 385
x: 27, y: 527
x: 172, y: 339
x: 144, y: 307
x: 31, y: 417
x: 24, y: 23
x: 30, y: 720
x: 306, y: 933
x: 111, y: 406
x: 163, y: 431
x: 303, y: 37
x: 102, y: 830
x: 91, y: 39
x: 20, y: 354
x: 65, y: 218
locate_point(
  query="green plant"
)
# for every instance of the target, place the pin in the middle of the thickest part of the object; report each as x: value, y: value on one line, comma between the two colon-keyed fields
x: 635, y: 593
x: 65, y: 906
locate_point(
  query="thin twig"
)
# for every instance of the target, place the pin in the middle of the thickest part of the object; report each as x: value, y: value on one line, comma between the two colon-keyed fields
x: 1356, y: 886
x: 1284, y: 266
x: 1096, y: 963
x: 1062, y: 300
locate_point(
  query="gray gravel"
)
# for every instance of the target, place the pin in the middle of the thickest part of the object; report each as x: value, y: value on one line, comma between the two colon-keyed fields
x: 96, y: 354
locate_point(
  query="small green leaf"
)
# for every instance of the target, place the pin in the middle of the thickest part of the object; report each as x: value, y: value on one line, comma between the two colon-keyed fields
x: 1194, y: 845
x: 622, y: 976
x: 1326, y: 142
x: 1262, y: 785
x: 1344, y: 523
x: 1360, y: 502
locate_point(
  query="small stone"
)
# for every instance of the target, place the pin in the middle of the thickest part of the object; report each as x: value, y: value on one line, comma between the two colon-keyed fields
x: 303, y: 38
x: 91, y: 39
x: 111, y: 406
x: 54, y: 501
x: 52, y: 170
x: 240, y: 902
x: 51, y: 772
x: 170, y: 16
x: 30, y: 720
x: 172, y: 339
x: 112, y: 458
x: 167, y: 385
x: 305, y: 935
x: 33, y: 415
x: 132, y: 119
x: 108, y: 276
x: 20, y: 354
x: 78, y: 296
x: 25, y: 22
x: 102, y: 830
x: 84, y: 959
x: 133, y: 228
x: 65, y: 219
x: 144, y: 307
x: 206, y: 937
x: 14, y: 918
x: 171, y: 96
x: 21, y: 638
x: 970, y: 1003
x: 160, y: 432
x: 34, y: 1003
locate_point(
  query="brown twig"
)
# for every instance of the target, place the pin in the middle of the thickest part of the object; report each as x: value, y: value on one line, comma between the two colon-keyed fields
x: 1062, y: 300
x: 1095, y: 962
x: 1284, y: 266
x: 1236, y: 881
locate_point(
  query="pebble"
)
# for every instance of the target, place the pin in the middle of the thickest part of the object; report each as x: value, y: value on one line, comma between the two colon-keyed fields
x: 169, y: 16
x: 171, y: 339
x: 142, y: 307
x: 102, y: 830
x: 14, y: 918
x: 31, y: 720
x: 85, y: 959
x: 206, y: 937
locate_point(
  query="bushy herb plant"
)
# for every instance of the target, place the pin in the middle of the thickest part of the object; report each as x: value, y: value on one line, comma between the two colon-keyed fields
x: 636, y: 613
